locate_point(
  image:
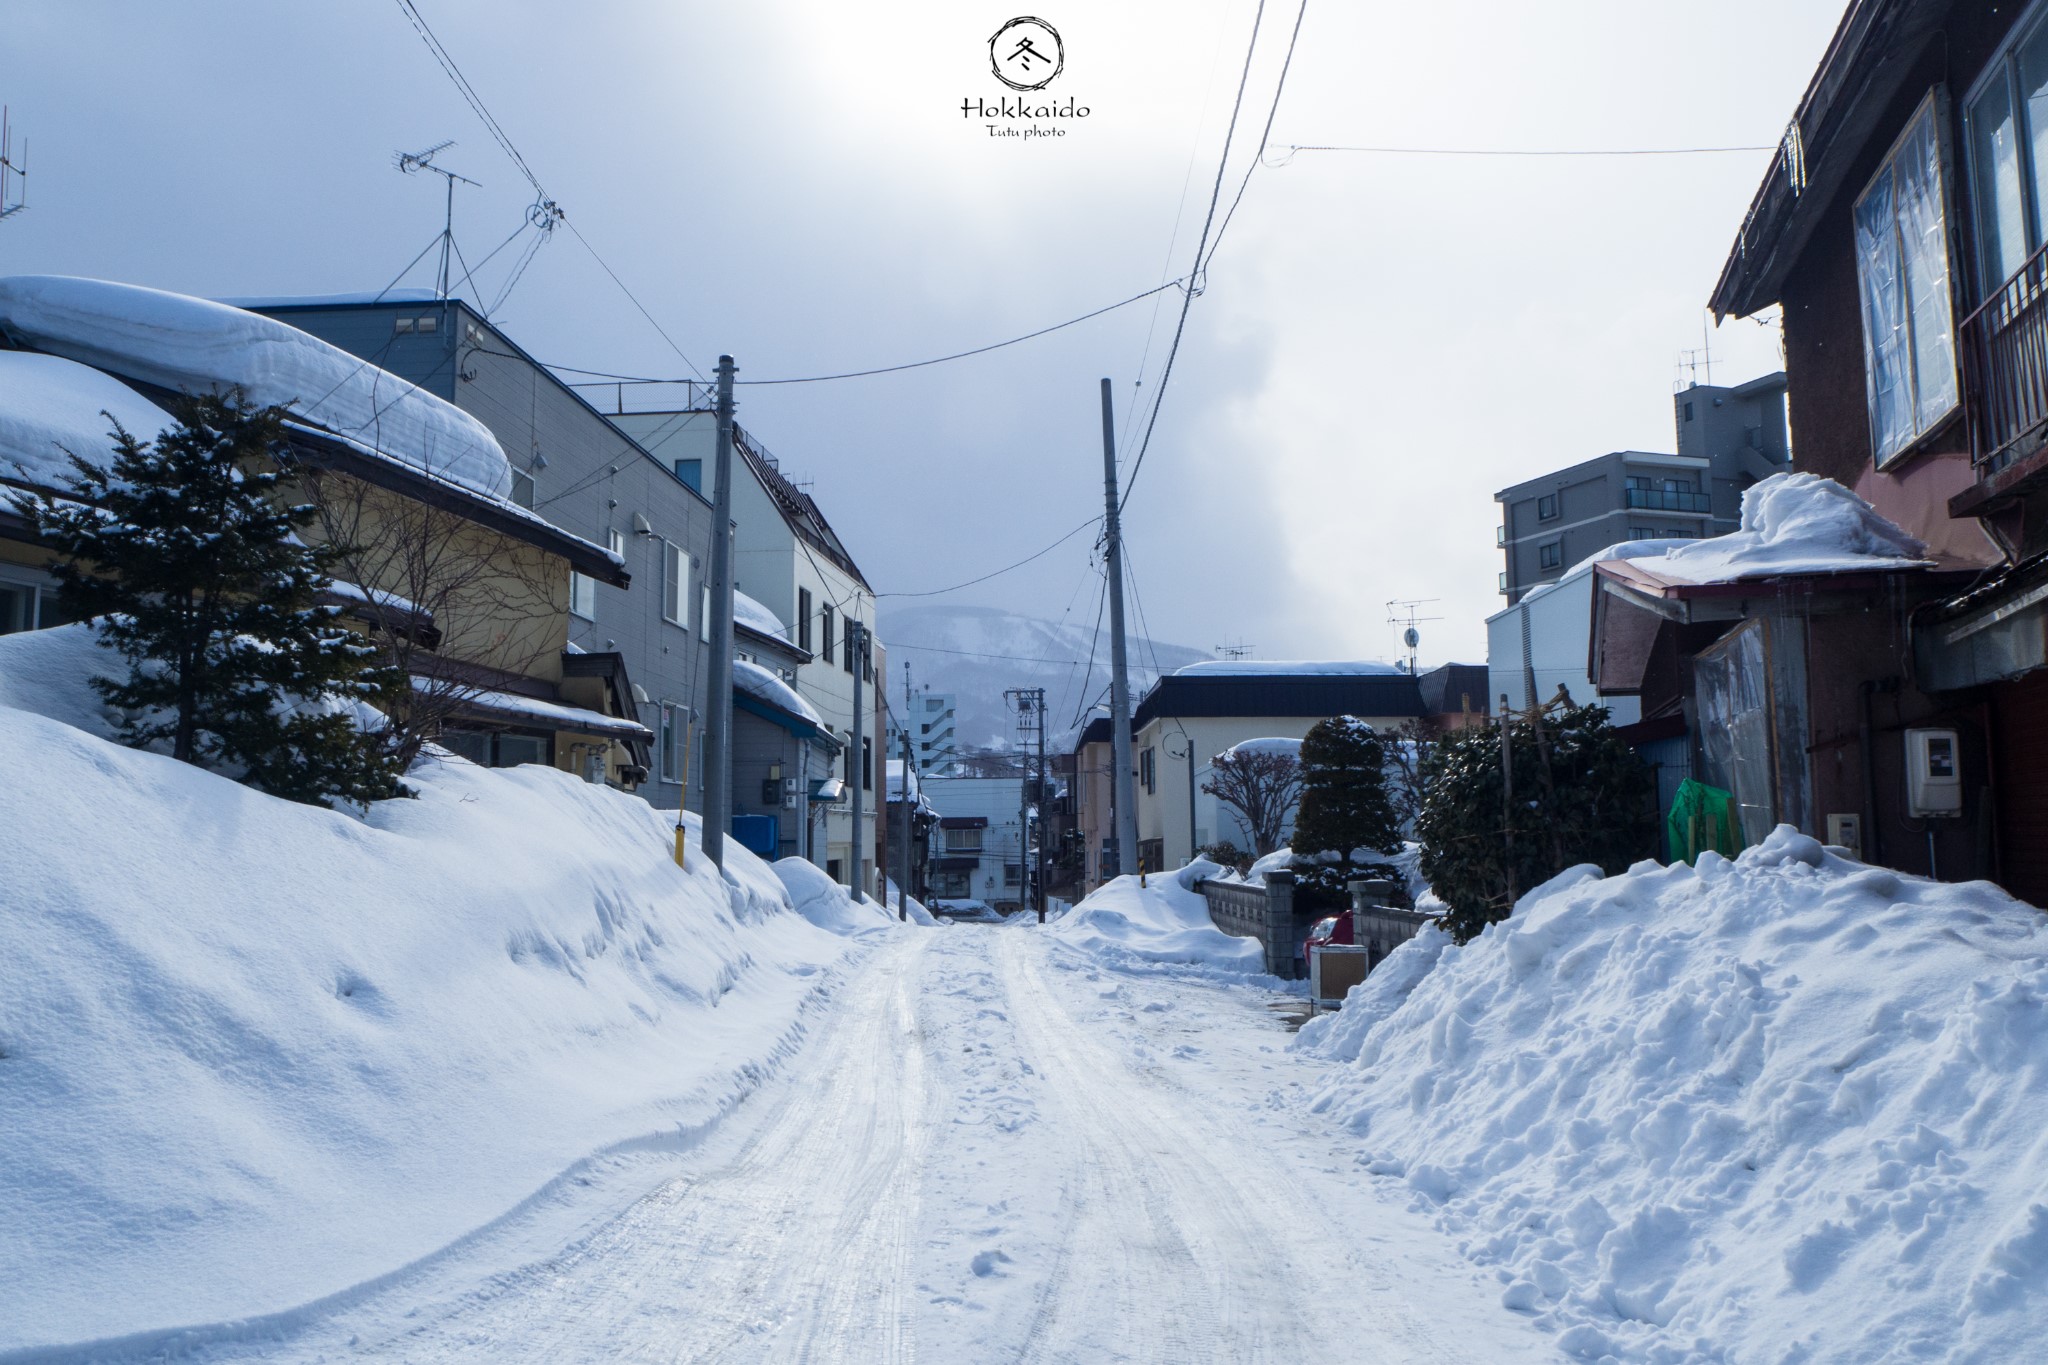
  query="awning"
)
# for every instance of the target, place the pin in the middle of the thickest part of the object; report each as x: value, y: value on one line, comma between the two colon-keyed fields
x: 511, y: 708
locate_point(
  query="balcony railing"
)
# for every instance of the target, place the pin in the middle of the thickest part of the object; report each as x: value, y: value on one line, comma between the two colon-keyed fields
x: 1669, y: 500
x: 2005, y: 366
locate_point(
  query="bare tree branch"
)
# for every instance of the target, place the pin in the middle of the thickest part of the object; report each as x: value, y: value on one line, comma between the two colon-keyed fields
x: 1263, y: 787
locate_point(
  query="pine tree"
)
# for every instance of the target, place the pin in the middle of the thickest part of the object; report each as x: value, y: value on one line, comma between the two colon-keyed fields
x: 188, y: 555
x: 1581, y: 795
x: 1346, y: 814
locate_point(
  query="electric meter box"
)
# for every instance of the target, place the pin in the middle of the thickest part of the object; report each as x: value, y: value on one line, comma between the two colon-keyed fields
x: 1934, y: 773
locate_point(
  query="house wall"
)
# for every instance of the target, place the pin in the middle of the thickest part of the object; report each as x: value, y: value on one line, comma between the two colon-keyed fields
x: 1593, y: 512
x: 589, y: 479
x: 1094, y: 767
x: 1559, y: 623
x: 998, y: 800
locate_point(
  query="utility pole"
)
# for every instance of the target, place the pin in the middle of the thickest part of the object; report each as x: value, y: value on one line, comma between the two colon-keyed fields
x: 903, y: 887
x: 1038, y: 863
x: 857, y: 643
x: 1119, y: 667
x: 718, y: 706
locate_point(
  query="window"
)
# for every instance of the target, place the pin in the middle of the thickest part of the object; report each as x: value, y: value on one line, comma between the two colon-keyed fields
x: 1909, y: 359
x: 583, y: 596
x: 851, y: 646
x: 963, y: 840
x: 1642, y: 533
x: 1679, y: 533
x: 429, y: 323
x: 615, y: 541
x: 1550, y: 556
x: 670, y: 742
x: 1012, y: 874
x: 2006, y: 120
x: 825, y: 634
x: 704, y: 613
x: 691, y: 472
x: 803, y: 619
x: 934, y: 704
x: 867, y: 764
x: 675, y: 583
x: 1639, y: 482
x: 1148, y: 772
x: 1546, y: 507
x: 1688, y: 412
x: 522, y: 488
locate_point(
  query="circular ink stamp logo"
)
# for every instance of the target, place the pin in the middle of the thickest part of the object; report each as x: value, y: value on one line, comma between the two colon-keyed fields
x: 1026, y: 53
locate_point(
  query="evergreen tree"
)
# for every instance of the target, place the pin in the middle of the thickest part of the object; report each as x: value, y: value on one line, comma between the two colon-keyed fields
x: 186, y: 551
x: 1581, y: 795
x: 1346, y: 815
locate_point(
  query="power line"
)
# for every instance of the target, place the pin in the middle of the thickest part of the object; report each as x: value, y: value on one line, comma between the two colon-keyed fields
x: 1294, y: 147
x: 885, y: 369
x: 634, y: 299
x: 1201, y: 248
x: 940, y: 592
x: 1286, y: 63
x: 979, y: 654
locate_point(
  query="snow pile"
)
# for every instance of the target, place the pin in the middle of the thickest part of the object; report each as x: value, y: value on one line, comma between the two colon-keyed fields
x: 185, y: 344
x: 826, y: 903
x: 254, y: 1053
x: 758, y: 683
x: 1627, y: 549
x: 1792, y: 524
x: 1166, y: 921
x: 751, y: 614
x: 1780, y: 1107
x: 1280, y: 745
x: 49, y: 405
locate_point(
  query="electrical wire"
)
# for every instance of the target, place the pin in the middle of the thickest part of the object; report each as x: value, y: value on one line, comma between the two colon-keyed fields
x: 940, y: 592
x: 1194, y: 286
x: 1281, y: 84
x: 1294, y: 147
x: 978, y: 654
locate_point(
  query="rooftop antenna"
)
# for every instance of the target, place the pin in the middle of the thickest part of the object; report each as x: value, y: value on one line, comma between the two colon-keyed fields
x: 410, y: 162
x: 9, y: 167
x: 1239, y: 650
x: 1402, y: 613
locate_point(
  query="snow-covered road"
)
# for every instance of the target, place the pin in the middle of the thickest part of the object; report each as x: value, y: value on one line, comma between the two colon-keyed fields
x: 991, y: 1150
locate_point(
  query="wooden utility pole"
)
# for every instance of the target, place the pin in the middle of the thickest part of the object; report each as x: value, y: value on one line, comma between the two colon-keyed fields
x: 1119, y: 666
x: 718, y: 706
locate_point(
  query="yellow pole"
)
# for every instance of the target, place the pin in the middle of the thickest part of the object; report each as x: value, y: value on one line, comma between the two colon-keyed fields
x: 681, y: 857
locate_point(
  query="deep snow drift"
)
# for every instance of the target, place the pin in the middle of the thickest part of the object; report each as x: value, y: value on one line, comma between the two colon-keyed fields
x: 1785, y: 1107
x: 255, y: 1053
x: 1162, y: 923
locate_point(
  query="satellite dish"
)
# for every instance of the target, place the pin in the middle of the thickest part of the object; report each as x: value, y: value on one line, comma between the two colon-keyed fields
x: 1412, y: 636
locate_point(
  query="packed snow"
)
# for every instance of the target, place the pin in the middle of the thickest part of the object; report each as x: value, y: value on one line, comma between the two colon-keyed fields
x: 1163, y: 923
x: 762, y: 685
x: 830, y: 906
x: 51, y: 407
x: 182, y: 343
x: 1791, y: 524
x: 1784, y: 1107
x: 257, y: 1054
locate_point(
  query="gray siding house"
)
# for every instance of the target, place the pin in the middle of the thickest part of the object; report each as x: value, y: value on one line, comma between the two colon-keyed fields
x: 1728, y: 439
x: 583, y: 474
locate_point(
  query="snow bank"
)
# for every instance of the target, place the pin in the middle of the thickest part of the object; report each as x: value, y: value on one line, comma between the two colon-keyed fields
x: 825, y: 903
x: 255, y: 1053
x: 759, y: 683
x: 1792, y: 523
x: 186, y: 344
x: 1126, y: 926
x: 50, y: 405
x: 1784, y: 1107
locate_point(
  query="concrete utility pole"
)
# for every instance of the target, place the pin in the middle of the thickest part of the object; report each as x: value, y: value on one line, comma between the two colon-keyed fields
x: 856, y: 645
x: 1119, y: 667
x: 903, y: 886
x: 1038, y: 863
x: 718, y: 706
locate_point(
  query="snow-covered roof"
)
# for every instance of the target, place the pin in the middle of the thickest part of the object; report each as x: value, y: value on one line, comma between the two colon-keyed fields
x: 1290, y: 748
x: 759, y: 683
x: 751, y: 614
x: 1298, y: 668
x: 333, y: 300
x: 515, y: 707
x: 49, y: 405
x: 1627, y: 549
x: 1791, y: 524
x: 183, y: 343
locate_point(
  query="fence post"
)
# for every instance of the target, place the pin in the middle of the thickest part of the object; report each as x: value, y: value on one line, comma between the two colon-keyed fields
x: 1279, y: 934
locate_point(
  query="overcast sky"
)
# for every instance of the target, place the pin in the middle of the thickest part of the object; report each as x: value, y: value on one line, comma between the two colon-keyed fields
x: 1383, y: 342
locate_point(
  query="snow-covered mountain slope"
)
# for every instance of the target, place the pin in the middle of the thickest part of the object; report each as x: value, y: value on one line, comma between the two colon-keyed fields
x: 1785, y: 1107
x: 977, y: 652
x: 254, y: 1053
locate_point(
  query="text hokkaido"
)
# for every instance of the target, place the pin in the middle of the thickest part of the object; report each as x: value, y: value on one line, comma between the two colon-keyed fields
x: 978, y: 108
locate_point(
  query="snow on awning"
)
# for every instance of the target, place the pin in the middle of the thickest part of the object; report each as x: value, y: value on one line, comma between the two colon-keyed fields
x: 178, y: 342
x: 757, y: 682
x: 757, y: 618
x: 510, y: 706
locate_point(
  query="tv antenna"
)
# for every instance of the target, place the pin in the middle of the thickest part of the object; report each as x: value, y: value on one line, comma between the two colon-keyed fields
x: 1402, y: 613
x: 1239, y: 650
x: 10, y: 168
x: 409, y: 162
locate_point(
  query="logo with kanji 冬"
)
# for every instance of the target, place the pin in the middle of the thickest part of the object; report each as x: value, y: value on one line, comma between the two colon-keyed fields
x: 1027, y: 53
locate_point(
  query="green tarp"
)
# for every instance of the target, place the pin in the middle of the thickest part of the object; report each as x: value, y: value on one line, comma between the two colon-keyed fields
x: 1702, y: 817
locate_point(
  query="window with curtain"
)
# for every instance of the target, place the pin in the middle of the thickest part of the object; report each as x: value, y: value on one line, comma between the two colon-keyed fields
x: 1902, y: 271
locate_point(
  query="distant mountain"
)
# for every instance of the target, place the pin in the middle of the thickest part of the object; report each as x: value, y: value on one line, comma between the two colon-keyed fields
x: 977, y: 652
